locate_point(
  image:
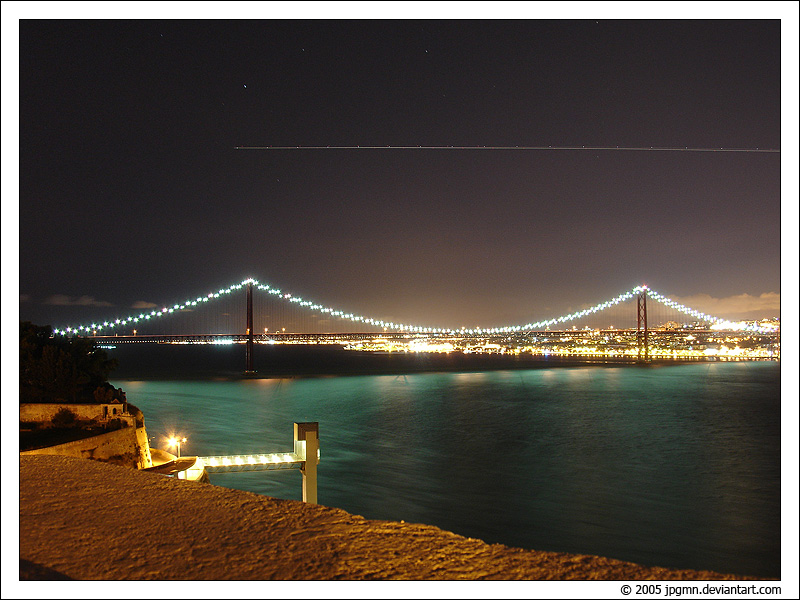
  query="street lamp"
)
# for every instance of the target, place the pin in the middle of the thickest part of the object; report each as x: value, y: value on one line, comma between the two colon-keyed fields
x: 176, y: 441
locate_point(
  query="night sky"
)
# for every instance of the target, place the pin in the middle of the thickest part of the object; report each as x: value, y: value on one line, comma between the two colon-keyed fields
x: 132, y: 189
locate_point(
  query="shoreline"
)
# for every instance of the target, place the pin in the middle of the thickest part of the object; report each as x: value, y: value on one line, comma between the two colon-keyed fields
x: 292, y: 361
x: 98, y: 521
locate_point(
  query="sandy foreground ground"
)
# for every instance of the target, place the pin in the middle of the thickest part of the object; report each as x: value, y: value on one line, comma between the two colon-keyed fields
x: 85, y: 520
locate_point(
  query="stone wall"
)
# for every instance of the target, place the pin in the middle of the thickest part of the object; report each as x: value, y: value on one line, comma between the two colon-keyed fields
x: 42, y: 414
x: 128, y: 447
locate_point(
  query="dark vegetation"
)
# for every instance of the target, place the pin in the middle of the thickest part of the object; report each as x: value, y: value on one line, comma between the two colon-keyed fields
x: 64, y: 370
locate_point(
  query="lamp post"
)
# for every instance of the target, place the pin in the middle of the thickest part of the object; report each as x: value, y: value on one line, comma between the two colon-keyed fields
x: 176, y: 441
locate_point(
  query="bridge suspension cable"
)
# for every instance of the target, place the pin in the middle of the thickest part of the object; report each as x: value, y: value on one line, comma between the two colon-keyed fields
x: 155, y: 315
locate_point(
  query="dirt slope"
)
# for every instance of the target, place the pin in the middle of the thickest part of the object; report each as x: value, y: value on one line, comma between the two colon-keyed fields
x: 85, y: 520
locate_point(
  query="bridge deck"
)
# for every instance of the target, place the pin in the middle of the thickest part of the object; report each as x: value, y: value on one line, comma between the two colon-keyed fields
x: 341, y: 338
x: 252, y: 462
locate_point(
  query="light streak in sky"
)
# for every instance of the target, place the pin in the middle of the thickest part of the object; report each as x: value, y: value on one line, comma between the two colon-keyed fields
x: 94, y: 327
x: 592, y: 148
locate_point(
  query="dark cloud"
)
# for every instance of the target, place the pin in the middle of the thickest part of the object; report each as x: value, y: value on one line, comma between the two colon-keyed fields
x: 740, y: 306
x: 64, y: 300
x: 141, y: 304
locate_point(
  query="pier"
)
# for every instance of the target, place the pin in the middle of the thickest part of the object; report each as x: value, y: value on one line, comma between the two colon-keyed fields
x: 306, y: 444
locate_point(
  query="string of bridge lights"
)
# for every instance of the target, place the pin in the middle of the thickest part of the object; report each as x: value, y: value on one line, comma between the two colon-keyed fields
x: 155, y: 315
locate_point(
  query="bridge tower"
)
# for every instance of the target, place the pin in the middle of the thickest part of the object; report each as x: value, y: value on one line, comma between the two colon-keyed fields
x: 641, y: 326
x: 248, y: 368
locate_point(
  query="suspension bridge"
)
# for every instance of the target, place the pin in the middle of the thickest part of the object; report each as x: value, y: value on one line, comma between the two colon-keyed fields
x: 266, y: 314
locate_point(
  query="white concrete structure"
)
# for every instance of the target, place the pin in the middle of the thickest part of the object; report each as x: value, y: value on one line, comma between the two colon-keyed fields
x: 306, y: 444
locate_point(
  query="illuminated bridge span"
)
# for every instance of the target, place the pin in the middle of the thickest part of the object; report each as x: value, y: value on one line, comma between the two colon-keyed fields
x: 131, y: 324
x: 221, y: 317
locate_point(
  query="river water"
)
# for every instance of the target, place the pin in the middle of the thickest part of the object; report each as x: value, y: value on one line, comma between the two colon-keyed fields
x: 671, y: 465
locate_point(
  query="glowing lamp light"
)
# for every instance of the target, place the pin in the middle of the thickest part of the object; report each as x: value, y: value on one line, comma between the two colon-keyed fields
x: 175, y: 441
